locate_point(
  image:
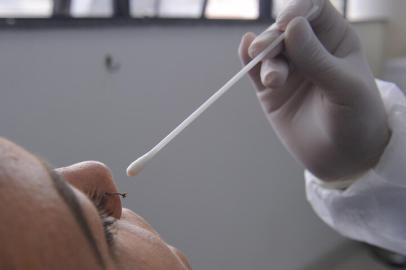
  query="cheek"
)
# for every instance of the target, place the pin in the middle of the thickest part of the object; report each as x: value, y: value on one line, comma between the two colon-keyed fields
x: 93, y: 220
x: 140, y: 249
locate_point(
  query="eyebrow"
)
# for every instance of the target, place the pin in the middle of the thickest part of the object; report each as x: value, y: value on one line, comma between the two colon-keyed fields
x: 67, y: 194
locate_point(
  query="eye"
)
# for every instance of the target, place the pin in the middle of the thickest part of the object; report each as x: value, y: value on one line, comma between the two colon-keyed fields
x: 108, y: 222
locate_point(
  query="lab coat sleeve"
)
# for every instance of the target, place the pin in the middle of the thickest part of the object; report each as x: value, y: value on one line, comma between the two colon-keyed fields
x: 371, y: 208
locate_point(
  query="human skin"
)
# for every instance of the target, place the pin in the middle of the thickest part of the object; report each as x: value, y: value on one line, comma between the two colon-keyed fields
x: 43, y: 228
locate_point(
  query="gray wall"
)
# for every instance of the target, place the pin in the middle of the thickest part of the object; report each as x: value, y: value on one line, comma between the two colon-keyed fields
x: 225, y: 191
x: 373, y: 37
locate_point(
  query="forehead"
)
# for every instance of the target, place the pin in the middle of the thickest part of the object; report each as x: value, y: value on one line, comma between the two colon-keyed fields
x: 26, y: 186
x: 28, y: 196
x: 23, y: 172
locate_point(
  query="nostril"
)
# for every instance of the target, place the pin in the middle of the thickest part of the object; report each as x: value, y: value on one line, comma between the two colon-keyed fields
x: 94, y: 179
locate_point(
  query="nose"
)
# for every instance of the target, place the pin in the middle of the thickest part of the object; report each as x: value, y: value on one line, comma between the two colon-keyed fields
x: 95, y: 180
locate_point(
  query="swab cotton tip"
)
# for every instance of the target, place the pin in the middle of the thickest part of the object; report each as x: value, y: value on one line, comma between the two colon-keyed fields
x: 137, y: 165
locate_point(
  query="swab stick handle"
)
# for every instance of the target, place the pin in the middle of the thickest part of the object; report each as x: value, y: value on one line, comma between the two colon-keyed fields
x: 138, y: 164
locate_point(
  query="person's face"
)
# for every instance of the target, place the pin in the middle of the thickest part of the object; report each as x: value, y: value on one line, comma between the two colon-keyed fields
x: 72, y: 218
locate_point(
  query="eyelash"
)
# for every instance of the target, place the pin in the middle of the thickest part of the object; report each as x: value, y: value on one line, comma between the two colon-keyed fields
x: 108, y: 222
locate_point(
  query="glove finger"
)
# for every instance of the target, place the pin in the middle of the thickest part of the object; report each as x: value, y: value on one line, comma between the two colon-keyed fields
x: 273, y: 99
x: 328, y: 24
x: 254, y: 73
x: 291, y: 10
x: 307, y: 54
x: 274, y: 72
x: 264, y: 40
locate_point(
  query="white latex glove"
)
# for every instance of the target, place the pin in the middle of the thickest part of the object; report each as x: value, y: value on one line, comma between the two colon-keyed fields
x: 318, y: 91
x: 372, y: 208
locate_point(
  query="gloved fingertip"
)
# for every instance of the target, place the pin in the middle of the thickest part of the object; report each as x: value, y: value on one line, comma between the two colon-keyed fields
x: 291, y: 10
x: 274, y: 72
x: 246, y: 41
x: 270, y: 79
x: 263, y: 40
x: 274, y: 79
x: 249, y: 36
x: 280, y: 25
x: 253, y: 50
x: 281, y: 21
x: 298, y: 30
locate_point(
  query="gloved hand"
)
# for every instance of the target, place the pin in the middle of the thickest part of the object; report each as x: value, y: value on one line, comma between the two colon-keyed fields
x: 318, y: 91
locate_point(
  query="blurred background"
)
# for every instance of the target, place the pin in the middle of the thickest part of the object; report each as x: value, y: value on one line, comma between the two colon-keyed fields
x: 107, y: 79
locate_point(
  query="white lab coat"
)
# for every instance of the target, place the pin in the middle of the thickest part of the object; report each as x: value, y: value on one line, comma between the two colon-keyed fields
x: 371, y: 208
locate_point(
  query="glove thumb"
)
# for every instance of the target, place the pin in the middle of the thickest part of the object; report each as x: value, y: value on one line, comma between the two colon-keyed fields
x: 307, y: 53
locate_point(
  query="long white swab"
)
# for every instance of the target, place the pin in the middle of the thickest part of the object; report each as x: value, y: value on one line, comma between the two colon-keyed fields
x: 139, y: 164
